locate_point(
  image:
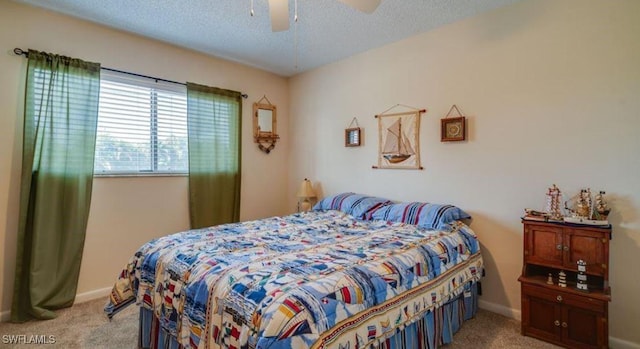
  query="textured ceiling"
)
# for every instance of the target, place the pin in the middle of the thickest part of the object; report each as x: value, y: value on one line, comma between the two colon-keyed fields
x: 327, y: 30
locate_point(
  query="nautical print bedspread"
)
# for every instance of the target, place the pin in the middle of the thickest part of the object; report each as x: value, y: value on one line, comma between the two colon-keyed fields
x: 315, y: 279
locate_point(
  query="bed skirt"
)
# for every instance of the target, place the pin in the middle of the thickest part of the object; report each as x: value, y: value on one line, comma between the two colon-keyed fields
x: 435, y: 328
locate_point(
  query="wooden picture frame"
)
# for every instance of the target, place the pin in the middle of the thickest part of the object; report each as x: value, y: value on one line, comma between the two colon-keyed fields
x: 453, y: 129
x: 264, y: 122
x: 399, y: 140
x: 352, y: 137
x: 264, y: 125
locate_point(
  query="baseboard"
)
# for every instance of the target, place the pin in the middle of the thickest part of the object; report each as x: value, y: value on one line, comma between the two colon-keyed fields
x: 614, y: 343
x: 500, y: 309
x: 92, y: 295
x: 617, y: 343
x: 80, y: 298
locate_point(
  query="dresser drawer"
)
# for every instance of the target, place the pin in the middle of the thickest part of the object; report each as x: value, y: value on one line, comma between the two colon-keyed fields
x: 566, y: 298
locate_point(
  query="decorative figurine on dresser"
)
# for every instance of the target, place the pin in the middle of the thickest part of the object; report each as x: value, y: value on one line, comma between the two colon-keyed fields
x: 582, y: 276
x: 553, y: 202
x: 601, y: 206
x: 562, y: 279
x: 574, y: 312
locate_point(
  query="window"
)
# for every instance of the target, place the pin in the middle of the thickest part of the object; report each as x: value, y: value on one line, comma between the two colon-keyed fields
x: 142, y: 126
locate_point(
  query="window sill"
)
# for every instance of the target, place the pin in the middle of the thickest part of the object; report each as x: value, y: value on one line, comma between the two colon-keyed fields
x: 136, y: 175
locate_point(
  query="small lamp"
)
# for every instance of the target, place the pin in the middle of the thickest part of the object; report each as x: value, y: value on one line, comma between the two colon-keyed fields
x: 305, y: 193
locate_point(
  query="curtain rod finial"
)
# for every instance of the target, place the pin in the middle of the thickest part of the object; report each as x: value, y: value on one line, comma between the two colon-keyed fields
x: 20, y: 52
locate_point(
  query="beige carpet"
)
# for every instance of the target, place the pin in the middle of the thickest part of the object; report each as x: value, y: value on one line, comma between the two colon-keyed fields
x: 85, y: 326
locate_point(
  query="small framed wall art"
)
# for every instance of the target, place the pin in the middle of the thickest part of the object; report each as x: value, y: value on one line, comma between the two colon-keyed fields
x: 353, y: 135
x: 453, y: 129
x: 399, y: 139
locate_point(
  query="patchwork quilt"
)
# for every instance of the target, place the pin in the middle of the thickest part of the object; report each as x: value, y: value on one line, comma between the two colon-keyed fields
x: 309, y: 280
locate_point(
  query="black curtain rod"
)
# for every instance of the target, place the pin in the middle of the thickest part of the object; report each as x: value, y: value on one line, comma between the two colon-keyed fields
x: 21, y: 52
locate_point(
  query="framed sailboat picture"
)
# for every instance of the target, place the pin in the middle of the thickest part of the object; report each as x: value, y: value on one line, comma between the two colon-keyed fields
x: 398, y: 140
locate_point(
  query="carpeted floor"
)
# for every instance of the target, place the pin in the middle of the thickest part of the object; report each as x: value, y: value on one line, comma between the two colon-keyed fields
x: 85, y: 326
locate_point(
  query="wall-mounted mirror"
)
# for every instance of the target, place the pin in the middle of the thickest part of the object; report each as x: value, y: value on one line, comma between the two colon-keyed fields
x: 265, y: 120
x: 264, y: 125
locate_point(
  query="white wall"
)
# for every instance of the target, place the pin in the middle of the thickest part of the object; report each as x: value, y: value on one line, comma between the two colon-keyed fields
x: 551, y: 89
x: 126, y: 212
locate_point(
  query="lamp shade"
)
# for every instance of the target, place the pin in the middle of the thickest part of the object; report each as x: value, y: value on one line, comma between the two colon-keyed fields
x: 306, y: 190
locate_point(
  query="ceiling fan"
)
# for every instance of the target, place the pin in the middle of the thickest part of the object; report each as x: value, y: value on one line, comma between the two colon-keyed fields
x: 279, y: 11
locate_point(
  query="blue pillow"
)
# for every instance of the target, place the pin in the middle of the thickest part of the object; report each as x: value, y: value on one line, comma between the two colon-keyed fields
x: 358, y: 205
x: 425, y: 215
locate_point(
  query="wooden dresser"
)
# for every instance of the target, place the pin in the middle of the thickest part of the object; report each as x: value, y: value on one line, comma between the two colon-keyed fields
x: 565, y: 316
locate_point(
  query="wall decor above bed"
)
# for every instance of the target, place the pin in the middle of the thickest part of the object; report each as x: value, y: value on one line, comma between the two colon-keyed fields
x: 399, y: 139
x: 353, y: 135
x: 453, y: 129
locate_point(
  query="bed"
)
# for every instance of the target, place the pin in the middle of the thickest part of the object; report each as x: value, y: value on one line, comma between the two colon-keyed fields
x: 356, y: 272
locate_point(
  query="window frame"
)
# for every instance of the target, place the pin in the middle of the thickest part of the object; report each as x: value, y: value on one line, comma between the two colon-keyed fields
x: 155, y: 87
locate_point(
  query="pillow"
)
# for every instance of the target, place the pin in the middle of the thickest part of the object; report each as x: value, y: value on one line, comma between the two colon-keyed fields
x: 425, y: 215
x: 358, y: 205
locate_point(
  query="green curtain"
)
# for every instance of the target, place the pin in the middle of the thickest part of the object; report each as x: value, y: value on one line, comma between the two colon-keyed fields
x: 214, y: 124
x: 60, y: 120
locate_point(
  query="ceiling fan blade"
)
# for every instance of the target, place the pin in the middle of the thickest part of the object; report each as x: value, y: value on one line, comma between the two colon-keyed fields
x: 366, y: 6
x: 279, y: 12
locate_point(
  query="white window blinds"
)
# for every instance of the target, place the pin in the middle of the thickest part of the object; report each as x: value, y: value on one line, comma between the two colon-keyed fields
x: 142, y: 126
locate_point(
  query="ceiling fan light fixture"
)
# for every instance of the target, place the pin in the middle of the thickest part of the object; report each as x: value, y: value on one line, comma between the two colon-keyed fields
x: 279, y: 13
x: 366, y: 6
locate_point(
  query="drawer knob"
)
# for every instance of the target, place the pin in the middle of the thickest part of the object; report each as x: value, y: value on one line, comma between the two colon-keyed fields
x: 564, y: 324
x: 559, y: 298
x: 557, y: 323
x: 558, y: 247
x: 566, y: 248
